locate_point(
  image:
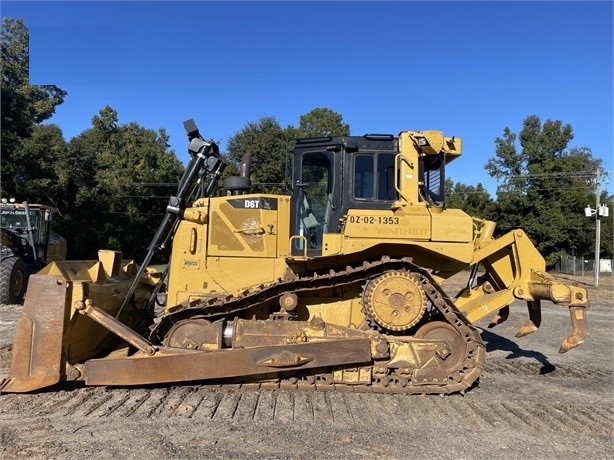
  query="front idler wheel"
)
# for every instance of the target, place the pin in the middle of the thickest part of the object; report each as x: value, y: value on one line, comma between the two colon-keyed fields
x: 451, y: 356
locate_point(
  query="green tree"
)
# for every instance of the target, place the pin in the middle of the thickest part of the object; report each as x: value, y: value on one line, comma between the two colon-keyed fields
x: 475, y: 201
x: 268, y: 144
x: 543, y: 186
x: 607, y: 227
x: 42, y: 166
x: 23, y: 105
x: 320, y: 121
x: 120, y: 195
x: 265, y: 140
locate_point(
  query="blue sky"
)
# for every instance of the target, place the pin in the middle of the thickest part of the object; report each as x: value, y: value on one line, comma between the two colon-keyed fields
x: 467, y: 68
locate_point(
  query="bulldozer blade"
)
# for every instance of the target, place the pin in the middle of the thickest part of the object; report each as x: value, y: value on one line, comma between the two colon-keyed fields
x: 37, y: 350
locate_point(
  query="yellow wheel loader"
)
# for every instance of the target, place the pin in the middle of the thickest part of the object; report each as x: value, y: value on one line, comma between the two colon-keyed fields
x: 336, y: 284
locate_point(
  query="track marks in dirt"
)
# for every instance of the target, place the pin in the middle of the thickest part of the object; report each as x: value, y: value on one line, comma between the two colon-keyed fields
x: 478, y: 410
x: 285, y: 406
x: 531, y: 368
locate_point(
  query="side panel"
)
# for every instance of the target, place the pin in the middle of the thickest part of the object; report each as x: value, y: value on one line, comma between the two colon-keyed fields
x: 246, y: 225
x: 443, y: 237
x: 234, y: 243
x: 414, y: 224
x: 452, y: 225
x: 234, y: 274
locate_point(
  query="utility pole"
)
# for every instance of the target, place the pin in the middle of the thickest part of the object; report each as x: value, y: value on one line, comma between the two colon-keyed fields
x: 597, y: 266
x: 601, y: 210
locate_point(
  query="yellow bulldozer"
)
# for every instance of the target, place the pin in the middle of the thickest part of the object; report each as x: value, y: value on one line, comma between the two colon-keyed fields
x: 337, y: 283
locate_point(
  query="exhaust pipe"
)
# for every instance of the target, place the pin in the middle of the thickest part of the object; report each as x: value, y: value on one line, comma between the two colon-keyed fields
x: 241, y: 184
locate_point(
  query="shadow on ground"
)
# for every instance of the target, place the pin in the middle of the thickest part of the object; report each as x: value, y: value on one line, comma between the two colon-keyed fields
x: 496, y: 342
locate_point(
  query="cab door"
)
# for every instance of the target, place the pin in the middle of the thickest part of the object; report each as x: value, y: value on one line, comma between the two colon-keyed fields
x: 313, y: 200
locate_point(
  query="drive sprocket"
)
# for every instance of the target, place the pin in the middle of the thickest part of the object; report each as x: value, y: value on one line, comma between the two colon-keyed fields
x: 394, y: 300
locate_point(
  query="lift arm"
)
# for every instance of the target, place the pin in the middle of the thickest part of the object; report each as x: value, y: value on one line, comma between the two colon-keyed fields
x: 204, y: 157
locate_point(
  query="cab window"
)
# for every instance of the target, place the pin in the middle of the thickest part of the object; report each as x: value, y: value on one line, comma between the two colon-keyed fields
x: 374, y: 177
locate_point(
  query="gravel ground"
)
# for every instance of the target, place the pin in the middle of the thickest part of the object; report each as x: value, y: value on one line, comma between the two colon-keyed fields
x: 530, y: 402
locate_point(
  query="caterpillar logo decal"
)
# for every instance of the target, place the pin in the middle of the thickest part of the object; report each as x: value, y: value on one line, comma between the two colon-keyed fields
x: 254, y: 203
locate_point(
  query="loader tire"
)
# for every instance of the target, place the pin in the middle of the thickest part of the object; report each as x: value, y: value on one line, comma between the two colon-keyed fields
x: 13, y: 280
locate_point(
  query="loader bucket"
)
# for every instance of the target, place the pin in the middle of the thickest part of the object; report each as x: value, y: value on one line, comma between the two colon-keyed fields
x: 37, y: 348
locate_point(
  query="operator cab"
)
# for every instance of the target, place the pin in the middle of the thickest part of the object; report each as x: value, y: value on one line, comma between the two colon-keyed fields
x: 14, y: 220
x: 334, y: 174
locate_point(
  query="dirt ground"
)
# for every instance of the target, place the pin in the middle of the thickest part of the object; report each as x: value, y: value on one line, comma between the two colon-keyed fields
x: 531, y: 402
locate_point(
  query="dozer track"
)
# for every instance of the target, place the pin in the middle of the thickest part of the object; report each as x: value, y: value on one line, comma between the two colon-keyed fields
x: 456, y: 370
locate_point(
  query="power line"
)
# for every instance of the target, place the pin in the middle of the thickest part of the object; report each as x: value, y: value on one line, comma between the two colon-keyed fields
x: 165, y: 197
x: 133, y: 213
